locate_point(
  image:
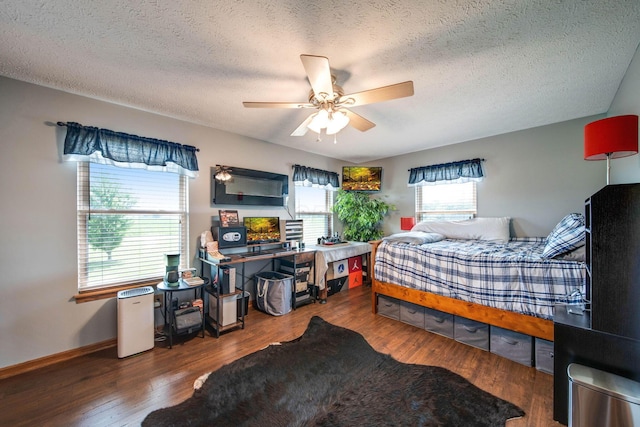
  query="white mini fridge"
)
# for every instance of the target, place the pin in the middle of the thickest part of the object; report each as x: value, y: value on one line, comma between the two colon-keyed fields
x: 135, y: 321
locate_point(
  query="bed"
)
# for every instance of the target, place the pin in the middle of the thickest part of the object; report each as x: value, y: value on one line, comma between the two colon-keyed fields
x: 473, y: 269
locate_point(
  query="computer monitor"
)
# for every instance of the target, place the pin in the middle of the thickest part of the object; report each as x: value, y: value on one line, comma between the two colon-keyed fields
x: 262, y: 229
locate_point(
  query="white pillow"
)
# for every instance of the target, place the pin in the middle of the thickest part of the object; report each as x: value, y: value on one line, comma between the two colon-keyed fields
x: 494, y: 229
x: 415, y: 237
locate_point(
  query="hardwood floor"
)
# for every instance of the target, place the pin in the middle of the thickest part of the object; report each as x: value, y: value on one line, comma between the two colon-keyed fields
x: 101, y: 390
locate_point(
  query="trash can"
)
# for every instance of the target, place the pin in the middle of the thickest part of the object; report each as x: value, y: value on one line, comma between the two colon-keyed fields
x: 601, y: 399
x: 243, y: 301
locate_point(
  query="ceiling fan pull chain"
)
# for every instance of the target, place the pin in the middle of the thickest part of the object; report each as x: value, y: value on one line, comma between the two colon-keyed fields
x: 335, y: 138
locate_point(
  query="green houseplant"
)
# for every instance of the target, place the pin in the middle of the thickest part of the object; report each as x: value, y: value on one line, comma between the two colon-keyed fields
x: 361, y: 215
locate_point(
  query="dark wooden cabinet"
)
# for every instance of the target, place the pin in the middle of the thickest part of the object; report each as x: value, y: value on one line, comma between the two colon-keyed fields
x: 608, y: 336
x: 575, y: 342
x: 613, y: 261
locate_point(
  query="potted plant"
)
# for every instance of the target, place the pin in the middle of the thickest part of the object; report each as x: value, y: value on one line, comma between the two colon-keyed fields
x: 361, y: 215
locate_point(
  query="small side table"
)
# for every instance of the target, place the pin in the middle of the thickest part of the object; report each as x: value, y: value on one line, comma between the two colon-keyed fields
x: 168, y: 298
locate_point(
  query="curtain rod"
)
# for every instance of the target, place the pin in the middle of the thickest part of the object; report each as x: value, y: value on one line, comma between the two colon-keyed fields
x: 65, y: 124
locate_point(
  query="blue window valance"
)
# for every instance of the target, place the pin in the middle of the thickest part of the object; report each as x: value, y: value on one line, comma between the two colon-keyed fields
x: 310, y: 177
x: 91, y: 144
x: 449, y: 173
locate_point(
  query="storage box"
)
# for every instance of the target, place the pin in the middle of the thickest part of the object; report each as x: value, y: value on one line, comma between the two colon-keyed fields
x: 305, y: 257
x: 274, y: 292
x: 355, y: 279
x: 410, y: 313
x: 226, y: 279
x: 299, y: 264
x: 355, y: 264
x: 301, y: 272
x: 470, y: 332
x: 228, y: 309
x: 303, y: 298
x: 340, y: 269
x: 335, y: 285
x: 512, y: 345
x: 187, y: 320
x: 438, y: 322
x: 388, y: 307
x: 544, y: 355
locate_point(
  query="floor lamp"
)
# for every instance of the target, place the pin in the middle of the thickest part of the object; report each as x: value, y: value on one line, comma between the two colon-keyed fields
x: 611, y: 138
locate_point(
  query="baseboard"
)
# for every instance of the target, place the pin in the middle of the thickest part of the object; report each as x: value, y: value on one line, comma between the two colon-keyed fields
x: 31, y: 365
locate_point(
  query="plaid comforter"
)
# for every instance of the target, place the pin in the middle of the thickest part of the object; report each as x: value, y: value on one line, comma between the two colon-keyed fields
x: 511, y: 276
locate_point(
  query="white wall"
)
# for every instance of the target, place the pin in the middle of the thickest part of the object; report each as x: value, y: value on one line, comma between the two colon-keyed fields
x: 534, y: 176
x: 38, y: 315
x: 627, y: 101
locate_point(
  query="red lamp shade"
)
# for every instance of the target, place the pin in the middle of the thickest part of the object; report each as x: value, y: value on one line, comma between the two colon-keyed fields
x: 612, y: 137
x: 407, y: 222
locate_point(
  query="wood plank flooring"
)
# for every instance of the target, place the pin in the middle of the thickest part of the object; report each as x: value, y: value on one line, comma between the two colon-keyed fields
x: 101, y: 390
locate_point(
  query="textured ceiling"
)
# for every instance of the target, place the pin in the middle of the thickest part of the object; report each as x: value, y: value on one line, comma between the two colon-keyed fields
x: 479, y: 67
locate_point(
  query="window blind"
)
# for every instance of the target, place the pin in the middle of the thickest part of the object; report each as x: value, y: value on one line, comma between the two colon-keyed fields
x: 128, y: 219
x: 449, y: 202
x: 314, y: 206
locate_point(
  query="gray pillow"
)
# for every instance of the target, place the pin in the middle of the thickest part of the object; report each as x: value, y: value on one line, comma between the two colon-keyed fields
x: 575, y: 255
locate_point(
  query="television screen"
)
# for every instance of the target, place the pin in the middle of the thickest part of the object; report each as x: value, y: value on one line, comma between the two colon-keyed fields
x: 361, y: 178
x: 250, y: 187
x: 262, y: 229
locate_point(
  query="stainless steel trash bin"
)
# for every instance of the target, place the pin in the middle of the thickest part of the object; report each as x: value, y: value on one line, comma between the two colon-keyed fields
x: 601, y: 399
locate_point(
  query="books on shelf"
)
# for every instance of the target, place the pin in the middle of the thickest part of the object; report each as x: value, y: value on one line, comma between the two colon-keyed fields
x: 193, y: 281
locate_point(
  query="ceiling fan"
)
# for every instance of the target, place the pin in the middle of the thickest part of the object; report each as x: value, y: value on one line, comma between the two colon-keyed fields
x: 331, y: 102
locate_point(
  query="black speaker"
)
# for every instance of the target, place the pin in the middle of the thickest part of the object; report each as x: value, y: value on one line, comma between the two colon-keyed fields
x: 230, y: 237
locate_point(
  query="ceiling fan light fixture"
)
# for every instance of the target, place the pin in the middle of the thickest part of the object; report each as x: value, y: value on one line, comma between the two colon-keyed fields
x: 319, y: 121
x: 337, y: 121
x: 222, y: 174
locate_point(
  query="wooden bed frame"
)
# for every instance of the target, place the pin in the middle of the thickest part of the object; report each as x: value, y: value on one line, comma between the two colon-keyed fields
x: 517, y: 322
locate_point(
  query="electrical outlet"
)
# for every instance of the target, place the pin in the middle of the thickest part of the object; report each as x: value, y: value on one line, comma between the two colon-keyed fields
x: 157, y: 301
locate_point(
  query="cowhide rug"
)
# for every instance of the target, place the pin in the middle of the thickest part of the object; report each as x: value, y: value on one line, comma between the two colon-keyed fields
x: 331, y: 376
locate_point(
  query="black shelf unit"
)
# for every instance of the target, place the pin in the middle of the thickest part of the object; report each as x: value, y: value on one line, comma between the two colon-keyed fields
x: 607, y: 336
x: 169, y: 309
x: 216, y: 323
x: 612, y: 218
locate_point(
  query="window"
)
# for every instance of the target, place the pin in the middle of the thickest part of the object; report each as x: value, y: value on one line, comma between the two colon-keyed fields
x: 314, y: 206
x: 446, y: 201
x: 128, y: 219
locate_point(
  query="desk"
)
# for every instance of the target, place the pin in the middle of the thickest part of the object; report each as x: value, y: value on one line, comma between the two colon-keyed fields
x: 168, y: 298
x: 300, y: 255
x: 327, y: 254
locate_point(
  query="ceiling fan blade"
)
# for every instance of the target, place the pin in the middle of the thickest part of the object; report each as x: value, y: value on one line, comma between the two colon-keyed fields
x: 357, y: 121
x: 302, y: 129
x: 319, y: 73
x: 385, y: 93
x: 278, y: 105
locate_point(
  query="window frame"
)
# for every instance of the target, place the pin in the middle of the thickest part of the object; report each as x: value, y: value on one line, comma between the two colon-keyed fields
x: 83, y: 211
x: 328, y: 214
x: 424, y: 215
